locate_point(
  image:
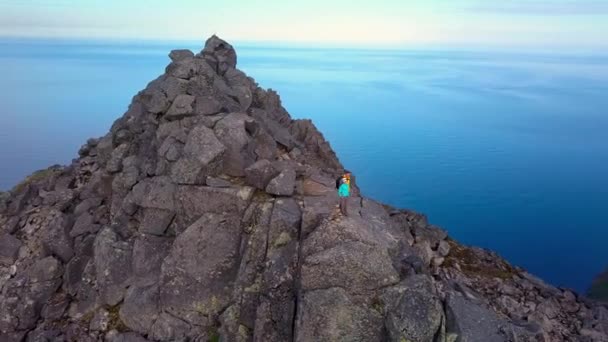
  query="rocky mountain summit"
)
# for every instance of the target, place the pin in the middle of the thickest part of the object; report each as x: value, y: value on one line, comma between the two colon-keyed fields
x: 208, y: 214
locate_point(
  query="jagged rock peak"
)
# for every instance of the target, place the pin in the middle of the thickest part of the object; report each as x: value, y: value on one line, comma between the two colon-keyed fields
x: 208, y: 214
x: 219, y: 54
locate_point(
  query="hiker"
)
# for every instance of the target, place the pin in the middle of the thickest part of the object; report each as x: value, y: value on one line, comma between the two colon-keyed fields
x: 343, y: 185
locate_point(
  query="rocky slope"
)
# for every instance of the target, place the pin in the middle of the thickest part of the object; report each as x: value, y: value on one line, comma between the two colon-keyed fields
x: 208, y: 214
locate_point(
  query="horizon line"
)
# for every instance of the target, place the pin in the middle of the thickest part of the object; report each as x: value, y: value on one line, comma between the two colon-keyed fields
x: 337, y: 45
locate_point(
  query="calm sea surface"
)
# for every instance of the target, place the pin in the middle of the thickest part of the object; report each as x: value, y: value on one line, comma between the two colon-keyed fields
x: 505, y: 150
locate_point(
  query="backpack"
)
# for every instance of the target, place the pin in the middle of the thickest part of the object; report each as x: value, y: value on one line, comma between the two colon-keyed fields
x: 338, y: 182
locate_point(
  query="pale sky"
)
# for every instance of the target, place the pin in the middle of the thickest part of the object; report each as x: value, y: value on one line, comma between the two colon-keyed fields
x: 569, y: 24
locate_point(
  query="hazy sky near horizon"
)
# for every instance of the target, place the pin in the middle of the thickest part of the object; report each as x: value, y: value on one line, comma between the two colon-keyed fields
x: 576, y: 24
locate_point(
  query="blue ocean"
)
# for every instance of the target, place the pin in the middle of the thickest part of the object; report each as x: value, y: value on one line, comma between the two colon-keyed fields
x: 506, y: 150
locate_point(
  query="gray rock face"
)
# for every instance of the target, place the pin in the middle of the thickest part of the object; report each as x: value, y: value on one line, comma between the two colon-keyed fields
x: 414, y: 310
x: 260, y: 174
x: 23, y: 296
x: 330, y: 315
x: 471, y: 322
x: 9, y: 248
x: 156, y: 221
x: 283, y: 184
x: 57, y: 240
x: 219, y: 54
x: 208, y: 214
x: 182, y: 106
x: 180, y: 55
x: 202, y: 157
x: 112, y: 266
x: 200, y: 265
x: 232, y: 132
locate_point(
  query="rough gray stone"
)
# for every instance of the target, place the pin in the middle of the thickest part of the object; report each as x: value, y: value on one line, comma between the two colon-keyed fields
x: 472, y: 322
x: 169, y: 328
x: 217, y: 182
x: 355, y: 266
x: 179, y: 55
x: 84, y: 225
x: 444, y: 248
x: 24, y: 295
x: 140, y: 308
x: 202, y: 157
x: 171, y: 149
x: 185, y: 68
x: 414, y: 310
x: 219, y: 54
x: 260, y: 174
x: 148, y: 255
x: 54, y: 308
x: 207, y: 105
x: 201, y: 264
x: 9, y: 249
x: 182, y: 106
x: 330, y: 315
x: 74, y: 273
x: 156, y: 221
x: 114, y: 336
x: 118, y: 154
x: 56, y: 239
x: 112, y: 265
x: 283, y: 184
x: 100, y: 320
x: 86, y: 205
x: 231, y: 131
x: 195, y: 201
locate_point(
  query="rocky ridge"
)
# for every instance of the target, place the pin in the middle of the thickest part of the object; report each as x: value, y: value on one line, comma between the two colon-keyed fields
x: 207, y: 214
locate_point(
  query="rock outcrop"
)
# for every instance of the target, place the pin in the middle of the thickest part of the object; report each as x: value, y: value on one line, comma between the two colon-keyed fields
x: 208, y: 214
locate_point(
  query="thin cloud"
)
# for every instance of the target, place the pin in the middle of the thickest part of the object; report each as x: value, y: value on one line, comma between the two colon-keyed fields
x: 563, y: 8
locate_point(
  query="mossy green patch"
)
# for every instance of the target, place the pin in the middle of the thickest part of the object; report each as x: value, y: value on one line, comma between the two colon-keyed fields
x: 87, y: 317
x: 472, y: 265
x: 378, y: 305
x: 214, y: 336
x: 34, y: 177
x: 114, y: 321
x: 282, y: 240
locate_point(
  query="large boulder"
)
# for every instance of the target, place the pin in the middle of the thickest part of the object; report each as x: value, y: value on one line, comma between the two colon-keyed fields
x: 196, y: 276
x: 112, y: 265
x: 202, y: 156
x: 353, y: 265
x: 182, y: 106
x: 56, y: 239
x: 283, y: 184
x: 179, y: 55
x: 9, y: 248
x: 331, y: 315
x: 260, y: 174
x: 24, y: 296
x: 468, y: 321
x: 148, y: 254
x: 232, y: 132
x: 219, y: 54
x: 415, y: 312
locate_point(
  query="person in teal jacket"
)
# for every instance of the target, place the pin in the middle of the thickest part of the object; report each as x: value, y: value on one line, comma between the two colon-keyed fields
x: 344, y: 192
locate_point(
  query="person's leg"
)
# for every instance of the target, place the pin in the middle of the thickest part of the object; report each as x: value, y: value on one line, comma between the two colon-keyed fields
x: 343, y: 206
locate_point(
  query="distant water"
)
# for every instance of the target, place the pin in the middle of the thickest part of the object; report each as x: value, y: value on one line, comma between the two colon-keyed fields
x: 505, y: 150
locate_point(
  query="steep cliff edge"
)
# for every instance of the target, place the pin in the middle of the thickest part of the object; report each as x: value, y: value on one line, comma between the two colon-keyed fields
x: 208, y: 214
